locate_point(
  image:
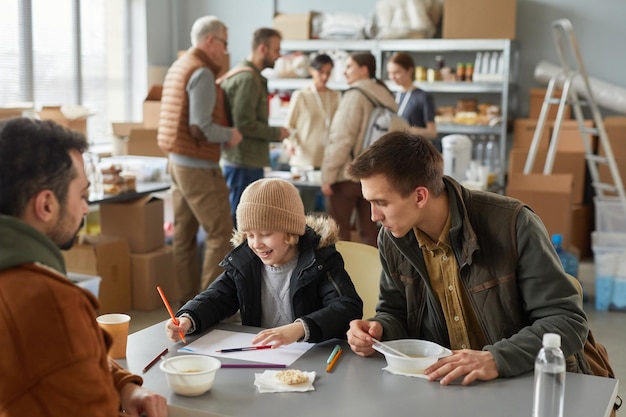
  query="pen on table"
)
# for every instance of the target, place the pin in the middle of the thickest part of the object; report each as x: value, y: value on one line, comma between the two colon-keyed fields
x: 243, y: 349
x: 333, y: 353
x: 253, y: 365
x: 334, y: 361
x: 169, y: 310
x: 155, y: 360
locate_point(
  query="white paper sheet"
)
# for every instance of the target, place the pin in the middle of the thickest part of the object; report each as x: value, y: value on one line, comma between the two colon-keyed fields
x: 215, y: 340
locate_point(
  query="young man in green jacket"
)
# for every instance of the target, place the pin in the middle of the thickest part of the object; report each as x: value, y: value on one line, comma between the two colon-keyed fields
x: 246, y: 94
x: 470, y: 270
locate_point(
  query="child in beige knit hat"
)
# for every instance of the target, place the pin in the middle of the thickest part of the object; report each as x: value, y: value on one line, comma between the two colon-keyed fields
x: 284, y: 274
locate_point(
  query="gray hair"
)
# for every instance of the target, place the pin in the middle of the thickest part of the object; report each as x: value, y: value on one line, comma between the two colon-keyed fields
x: 204, y: 26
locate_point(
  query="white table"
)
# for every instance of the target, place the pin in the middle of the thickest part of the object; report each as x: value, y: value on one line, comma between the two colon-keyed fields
x: 358, y: 387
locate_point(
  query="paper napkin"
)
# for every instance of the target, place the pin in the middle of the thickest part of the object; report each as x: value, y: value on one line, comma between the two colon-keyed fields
x: 267, y: 382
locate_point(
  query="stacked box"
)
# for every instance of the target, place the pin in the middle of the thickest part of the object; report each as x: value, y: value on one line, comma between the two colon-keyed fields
x: 139, y: 221
x: 150, y: 270
x: 475, y: 19
x: 294, y: 26
x: 108, y: 258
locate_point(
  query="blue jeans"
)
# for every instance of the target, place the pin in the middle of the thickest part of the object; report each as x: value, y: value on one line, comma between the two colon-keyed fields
x: 238, y: 179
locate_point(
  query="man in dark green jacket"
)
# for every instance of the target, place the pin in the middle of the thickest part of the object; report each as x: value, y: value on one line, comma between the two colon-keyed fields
x: 246, y: 93
x: 470, y: 270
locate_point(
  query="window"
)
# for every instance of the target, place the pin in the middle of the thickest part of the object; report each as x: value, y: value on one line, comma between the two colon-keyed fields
x: 66, y: 52
x: 9, y: 57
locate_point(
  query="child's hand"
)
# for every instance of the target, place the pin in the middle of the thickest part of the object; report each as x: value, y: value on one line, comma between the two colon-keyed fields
x: 172, y: 330
x: 278, y: 336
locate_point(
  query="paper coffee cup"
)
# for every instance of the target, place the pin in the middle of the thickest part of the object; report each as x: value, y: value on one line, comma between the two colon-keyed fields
x: 117, y: 326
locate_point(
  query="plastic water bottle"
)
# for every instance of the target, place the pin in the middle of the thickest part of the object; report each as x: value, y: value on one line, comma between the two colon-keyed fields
x: 568, y: 259
x: 94, y: 175
x: 549, y: 378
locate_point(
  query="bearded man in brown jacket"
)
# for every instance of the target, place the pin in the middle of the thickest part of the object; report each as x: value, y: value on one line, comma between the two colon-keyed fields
x: 54, y: 356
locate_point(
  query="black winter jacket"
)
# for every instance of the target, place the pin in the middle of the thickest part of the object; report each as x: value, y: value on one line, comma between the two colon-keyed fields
x: 321, y: 291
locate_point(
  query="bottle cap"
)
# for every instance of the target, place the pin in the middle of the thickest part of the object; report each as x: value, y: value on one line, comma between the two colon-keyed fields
x: 552, y: 340
x: 557, y: 239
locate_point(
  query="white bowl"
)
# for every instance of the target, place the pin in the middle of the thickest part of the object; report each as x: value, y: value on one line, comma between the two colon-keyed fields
x: 190, y: 375
x: 423, y: 354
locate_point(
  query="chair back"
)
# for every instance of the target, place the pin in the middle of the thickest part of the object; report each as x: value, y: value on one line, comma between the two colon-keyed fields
x: 362, y: 263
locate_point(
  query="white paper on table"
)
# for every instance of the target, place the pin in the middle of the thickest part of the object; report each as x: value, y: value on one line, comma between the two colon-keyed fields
x: 216, y: 340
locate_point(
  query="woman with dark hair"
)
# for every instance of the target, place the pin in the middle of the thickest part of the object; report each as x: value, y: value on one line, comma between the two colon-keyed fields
x: 310, y: 113
x: 347, y: 132
x: 415, y: 106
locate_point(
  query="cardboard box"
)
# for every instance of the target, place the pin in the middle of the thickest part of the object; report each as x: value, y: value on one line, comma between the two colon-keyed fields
x: 549, y: 196
x: 76, y: 121
x: 573, y: 163
x: 294, y: 26
x: 152, y: 107
x: 139, y: 221
x: 582, y: 226
x: 135, y: 139
x: 616, y: 131
x: 108, y: 258
x: 149, y: 270
x: 570, y: 138
x: 523, y: 131
x: 605, y: 173
x: 537, y: 97
x: 123, y: 129
x: 475, y: 19
x: 143, y: 142
x: 9, y: 112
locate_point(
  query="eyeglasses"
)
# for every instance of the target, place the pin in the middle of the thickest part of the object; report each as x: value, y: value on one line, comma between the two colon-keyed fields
x: 224, y: 41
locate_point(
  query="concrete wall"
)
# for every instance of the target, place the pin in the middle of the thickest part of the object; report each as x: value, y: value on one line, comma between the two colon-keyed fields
x: 599, y: 27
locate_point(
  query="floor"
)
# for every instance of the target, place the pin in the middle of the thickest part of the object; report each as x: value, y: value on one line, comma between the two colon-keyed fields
x: 609, y: 327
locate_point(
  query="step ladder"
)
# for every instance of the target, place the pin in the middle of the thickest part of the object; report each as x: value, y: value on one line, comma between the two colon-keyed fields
x: 573, y: 68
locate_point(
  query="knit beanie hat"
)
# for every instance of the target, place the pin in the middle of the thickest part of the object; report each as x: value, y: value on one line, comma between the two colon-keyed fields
x: 271, y: 204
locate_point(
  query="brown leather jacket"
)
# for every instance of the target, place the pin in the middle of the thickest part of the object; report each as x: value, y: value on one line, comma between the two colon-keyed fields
x: 53, y: 359
x: 175, y: 134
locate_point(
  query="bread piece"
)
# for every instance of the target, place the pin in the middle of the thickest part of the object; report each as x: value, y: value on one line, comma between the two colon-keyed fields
x: 291, y: 377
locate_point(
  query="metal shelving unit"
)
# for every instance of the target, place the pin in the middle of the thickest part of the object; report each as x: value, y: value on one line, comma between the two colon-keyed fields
x: 505, y: 88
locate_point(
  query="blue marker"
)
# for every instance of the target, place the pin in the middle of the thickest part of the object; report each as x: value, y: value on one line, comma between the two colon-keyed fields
x: 333, y: 353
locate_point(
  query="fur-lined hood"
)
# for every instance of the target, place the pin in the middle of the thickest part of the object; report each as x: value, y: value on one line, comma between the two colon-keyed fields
x: 325, y: 227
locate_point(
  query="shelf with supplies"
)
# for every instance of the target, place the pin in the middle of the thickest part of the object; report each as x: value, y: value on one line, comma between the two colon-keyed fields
x: 454, y: 87
x: 497, y: 88
x: 453, y: 128
x: 299, y: 83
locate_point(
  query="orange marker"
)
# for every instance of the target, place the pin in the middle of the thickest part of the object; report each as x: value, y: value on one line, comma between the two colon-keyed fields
x: 169, y: 310
x: 334, y: 361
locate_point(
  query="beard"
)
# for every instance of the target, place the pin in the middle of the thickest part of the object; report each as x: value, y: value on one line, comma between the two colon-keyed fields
x: 60, y: 235
x: 267, y: 63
